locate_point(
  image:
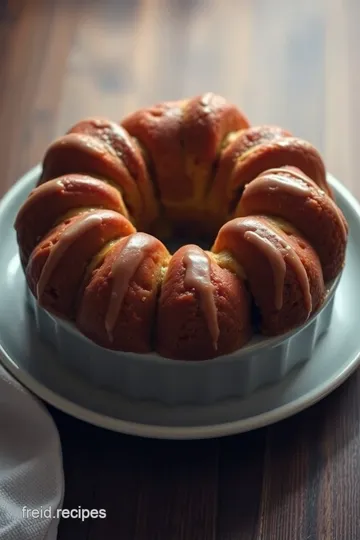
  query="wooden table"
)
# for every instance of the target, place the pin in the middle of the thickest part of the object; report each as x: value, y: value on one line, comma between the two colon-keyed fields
x: 291, y: 63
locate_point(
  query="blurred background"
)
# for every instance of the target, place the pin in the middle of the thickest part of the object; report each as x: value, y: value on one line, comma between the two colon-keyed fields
x: 290, y: 63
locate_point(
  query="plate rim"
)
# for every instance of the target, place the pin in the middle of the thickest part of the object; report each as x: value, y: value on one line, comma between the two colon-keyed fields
x: 179, y: 432
x: 154, y: 431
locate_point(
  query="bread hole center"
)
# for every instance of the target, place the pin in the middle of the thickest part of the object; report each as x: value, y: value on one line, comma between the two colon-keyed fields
x: 175, y: 242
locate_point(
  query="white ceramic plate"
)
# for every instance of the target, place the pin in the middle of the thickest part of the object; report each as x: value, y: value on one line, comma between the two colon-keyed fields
x: 33, y: 364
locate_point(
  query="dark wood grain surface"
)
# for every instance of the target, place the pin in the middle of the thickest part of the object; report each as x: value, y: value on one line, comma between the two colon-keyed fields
x: 284, y: 62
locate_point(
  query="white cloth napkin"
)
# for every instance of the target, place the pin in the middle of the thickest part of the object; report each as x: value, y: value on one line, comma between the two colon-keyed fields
x: 31, y: 473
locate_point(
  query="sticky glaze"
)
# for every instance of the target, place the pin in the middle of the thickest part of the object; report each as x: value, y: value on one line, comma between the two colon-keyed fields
x: 72, y: 233
x: 206, y: 102
x: 278, y: 256
x: 42, y: 190
x: 197, y: 276
x: 136, y: 247
x: 271, y: 179
x: 293, y: 258
x: 276, y: 261
x: 293, y: 171
x: 278, y: 252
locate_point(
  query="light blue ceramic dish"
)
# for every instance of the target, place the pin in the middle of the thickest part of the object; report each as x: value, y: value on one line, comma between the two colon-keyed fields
x: 150, y: 376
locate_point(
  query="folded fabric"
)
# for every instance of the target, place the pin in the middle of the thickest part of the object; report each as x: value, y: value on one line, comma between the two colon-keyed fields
x: 31, y: 473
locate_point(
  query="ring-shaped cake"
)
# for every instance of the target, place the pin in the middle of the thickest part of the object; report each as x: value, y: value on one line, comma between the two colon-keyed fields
x: 93, y: 234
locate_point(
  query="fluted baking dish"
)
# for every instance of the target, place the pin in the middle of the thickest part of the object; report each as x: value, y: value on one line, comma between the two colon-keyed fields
x: 148, y: 376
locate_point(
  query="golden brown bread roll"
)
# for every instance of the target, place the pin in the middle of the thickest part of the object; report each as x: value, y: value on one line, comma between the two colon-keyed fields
x: 118, y: 304
x: 56, y: 199
x: 291, y: 195
x: 204, y: 310
x: 282, y: 269
x: 59, y: 262
x: 129, y: 153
